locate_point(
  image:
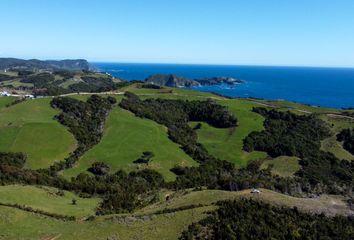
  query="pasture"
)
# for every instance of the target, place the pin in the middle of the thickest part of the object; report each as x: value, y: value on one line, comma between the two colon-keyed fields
x: 30, y: 127
x: 124, y: 140
x: 48, y: 200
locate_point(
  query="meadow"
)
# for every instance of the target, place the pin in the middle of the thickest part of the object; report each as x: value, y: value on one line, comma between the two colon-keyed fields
x: 148, y: 223
x: 283, y: 166
x: 126, y: 137
x: 227, y: 144
x: 30, y: 127
x: 48, y: 200
x: 6, y: 100
x: 124, y: 140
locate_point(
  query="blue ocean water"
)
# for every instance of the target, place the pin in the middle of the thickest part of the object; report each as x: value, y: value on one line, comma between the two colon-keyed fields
x: 326, y: 87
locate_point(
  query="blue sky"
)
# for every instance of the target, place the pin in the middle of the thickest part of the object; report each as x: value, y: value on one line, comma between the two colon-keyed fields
x: 254, y: 32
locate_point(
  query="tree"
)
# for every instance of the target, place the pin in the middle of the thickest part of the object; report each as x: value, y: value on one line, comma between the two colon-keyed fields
x: 99, y: 168
x: 145, y: 158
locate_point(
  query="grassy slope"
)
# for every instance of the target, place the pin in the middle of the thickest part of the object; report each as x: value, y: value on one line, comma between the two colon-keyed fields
x: 29, y: 127
x: 331, y: 144
x: 17, y: 224
x: 45, y: 199
x: 283, y: 166
x: 219, y: 142
x: 125, y: 138
x: 328, y: 204
x: 227, y: 143
x: 6, y: 100
x: 17, y: 83
x: 296, y: 107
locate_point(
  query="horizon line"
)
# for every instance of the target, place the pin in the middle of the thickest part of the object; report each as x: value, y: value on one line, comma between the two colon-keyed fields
x: 181, y: 63
x: 222, y: 64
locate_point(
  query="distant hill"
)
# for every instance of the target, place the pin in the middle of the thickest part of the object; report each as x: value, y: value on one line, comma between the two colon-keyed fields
x: 35, y: 64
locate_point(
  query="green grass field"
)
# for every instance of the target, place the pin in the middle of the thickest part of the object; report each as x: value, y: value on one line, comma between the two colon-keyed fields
x: 329, y: 204
x: 296, y: 107
x: 283, y: 166
x: 332, y: 145
x: 227, y: 144
x: 125, y: 138
x: 144, y: 224
x: 46, y: 199
x: 6, y: 100
x: 69, y: 82
x: 29, y: 127
x: 17, y: 83
x: 17, y: 224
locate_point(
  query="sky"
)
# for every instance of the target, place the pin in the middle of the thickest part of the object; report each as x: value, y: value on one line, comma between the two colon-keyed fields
x: 252, y: 32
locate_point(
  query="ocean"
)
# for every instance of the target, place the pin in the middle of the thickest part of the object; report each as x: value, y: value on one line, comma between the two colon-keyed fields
x: 325, y: 87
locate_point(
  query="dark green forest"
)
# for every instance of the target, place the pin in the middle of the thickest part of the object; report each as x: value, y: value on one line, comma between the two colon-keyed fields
x: 300, y: 135
x: 249, y: 219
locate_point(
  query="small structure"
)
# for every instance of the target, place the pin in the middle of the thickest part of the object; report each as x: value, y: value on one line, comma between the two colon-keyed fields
x: 255, y: 190
x: 4, y: 93
x: 29, y: 96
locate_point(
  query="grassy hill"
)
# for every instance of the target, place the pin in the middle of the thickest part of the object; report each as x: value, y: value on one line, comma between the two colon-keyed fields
x: 48, y: 82
x: 6, y: 100
x: 16, y: 224
x: 126, y: 131
x: 29, y: 127
x: 227, y: 143
x: 283, y: 166
x: 125, y: 138
x: 147, y: 223
x: 48, y: 200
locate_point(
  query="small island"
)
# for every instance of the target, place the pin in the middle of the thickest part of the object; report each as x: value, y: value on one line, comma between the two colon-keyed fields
x: 171, y: 80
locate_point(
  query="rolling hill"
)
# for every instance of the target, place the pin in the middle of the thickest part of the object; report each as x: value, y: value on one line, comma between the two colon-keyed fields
x: 163, y: 197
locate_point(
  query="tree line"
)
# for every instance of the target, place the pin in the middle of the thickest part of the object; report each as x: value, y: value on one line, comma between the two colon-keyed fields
x: 250, y: 219
x: 85, y: 121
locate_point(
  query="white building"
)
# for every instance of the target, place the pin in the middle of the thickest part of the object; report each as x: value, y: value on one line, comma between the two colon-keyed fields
x: 4, y: 93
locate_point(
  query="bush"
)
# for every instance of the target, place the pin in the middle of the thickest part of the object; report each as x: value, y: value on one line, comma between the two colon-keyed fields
x: 99, y: 168
x: 13, y: 159
x: 347, y: 136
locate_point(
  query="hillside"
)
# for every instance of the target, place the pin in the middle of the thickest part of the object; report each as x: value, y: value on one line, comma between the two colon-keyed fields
x: 21, y: 122
x: 144, y: 163
x: 148, y: 223
x: 43, y: 82
x: 35, y: 64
